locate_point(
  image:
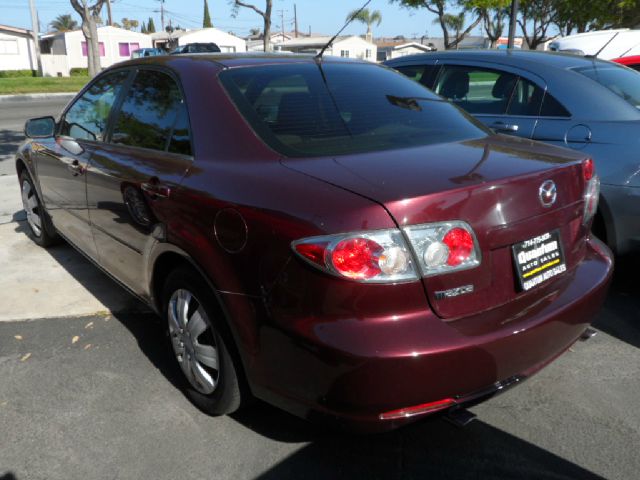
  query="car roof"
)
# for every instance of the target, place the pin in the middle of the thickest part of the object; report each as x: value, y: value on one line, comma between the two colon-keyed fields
x: 231, y: 60
x: 521, y: 58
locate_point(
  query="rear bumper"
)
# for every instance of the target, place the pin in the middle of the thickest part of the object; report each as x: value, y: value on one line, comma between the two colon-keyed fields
x: 420, y: 359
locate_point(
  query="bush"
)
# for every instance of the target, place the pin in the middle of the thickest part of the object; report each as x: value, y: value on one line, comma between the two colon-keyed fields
x: 79, y: 72
x: 17, y: 73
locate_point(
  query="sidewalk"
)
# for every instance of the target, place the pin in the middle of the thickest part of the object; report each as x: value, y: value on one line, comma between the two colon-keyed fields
x: 47, y: 283
x: 31, y: 96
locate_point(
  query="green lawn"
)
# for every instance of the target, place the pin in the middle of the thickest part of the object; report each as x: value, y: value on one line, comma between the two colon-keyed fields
x: 9, y: 86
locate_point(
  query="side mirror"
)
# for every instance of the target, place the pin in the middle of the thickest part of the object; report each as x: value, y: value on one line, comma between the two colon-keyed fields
x: 42, y: 127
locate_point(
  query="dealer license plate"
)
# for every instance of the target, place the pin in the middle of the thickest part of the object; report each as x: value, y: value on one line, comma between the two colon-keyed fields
x: 538, y: 259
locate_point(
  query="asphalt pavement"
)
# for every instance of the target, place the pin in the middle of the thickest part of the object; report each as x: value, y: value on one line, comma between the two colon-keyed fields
x: 98, y: 397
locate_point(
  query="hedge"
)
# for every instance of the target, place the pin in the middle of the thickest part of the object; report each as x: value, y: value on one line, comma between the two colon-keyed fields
x: 17, y: 73
x: 79, y: 72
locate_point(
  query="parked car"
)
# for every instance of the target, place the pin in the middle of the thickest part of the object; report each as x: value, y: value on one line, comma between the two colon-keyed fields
x: 590, y: 105
x: 147, y: 52
x: 196, y: 48
x: 605, y: 44
x: 328, y: 236
x: 631, y: 62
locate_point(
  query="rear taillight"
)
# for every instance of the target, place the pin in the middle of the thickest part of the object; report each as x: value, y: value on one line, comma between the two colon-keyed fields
x: 591, y: 190
x: 383, y: 256
x: 444, y: 247
x: 377, y: 257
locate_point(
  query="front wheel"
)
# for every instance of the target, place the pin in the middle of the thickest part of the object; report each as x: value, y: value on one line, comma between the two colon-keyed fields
x: 200, y: 344
x: 42, y: 231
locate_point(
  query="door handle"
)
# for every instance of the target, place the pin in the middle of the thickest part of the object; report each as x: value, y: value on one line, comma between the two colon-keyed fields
x: 504, y: 127
x: 156, y: 190
x: 75, y: 168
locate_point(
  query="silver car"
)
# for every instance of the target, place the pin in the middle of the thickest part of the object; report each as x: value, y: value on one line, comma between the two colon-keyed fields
x: 579, y: 102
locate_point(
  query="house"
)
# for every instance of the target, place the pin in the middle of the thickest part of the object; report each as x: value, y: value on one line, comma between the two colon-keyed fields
x: 226, y: 41
x: 62, y: 51
x: 345, y: 46
x: 17, y: 51
x: 396, y: 50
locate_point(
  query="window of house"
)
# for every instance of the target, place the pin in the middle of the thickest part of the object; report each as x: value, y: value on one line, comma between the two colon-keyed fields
x: 153, y: 115
x: 125, y: 48
x: 344, y: 53
x: 100, y: 47
x: 367, y: 53
x: 88, y: 116
x: 8, y: 47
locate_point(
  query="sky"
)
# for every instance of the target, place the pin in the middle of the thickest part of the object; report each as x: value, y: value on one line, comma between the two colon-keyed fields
x: 322, y: 16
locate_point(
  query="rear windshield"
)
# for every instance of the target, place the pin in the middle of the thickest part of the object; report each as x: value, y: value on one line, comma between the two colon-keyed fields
x: 308, y: 109
x: 623, y: 82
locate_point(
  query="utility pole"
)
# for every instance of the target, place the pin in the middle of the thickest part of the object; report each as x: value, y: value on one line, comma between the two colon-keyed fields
x: 35, y: 34
x: 162, y: 14
x: 282, y: 23
x: 109, y: 20
x: 512, y: 24
x: 295, y: 19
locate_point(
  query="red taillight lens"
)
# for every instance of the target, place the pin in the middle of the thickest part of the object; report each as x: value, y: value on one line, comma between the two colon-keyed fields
x: 312, y: 251
x: 357, y: 258
x: 588, y: 170
x: 460, y: 243
x: 379, y: 256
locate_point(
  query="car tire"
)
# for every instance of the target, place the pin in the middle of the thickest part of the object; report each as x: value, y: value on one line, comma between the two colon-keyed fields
x: 200, y: 342
x: 41, y: 228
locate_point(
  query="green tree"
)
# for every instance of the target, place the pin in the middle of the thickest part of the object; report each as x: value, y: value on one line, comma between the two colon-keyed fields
x: 151, y: 28
x: 535, y: 20
x: 90, y: 13
x: 445, y: 18
x: 63, y: 23
x: 493, y: 14
x: 129, y: 24
x: 601, y: 14
x: 366, y: 17
x: 206, y: 19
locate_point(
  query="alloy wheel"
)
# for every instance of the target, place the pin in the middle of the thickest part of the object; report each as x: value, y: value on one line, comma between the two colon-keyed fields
x: 193, y: 341
x: 31, y: 206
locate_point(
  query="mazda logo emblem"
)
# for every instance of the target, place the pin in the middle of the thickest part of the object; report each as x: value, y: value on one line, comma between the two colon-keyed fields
x: 547, y: 193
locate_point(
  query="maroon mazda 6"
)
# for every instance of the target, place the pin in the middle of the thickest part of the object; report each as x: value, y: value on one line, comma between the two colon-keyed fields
x: 326, y: 235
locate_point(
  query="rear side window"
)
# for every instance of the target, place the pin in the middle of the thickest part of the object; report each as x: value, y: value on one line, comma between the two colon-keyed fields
x: 552, y: 107
x: 310, y: 109
x: 153, y: 115
x: 87, y: 118
x: 624, y: 82
x: 526, y: 99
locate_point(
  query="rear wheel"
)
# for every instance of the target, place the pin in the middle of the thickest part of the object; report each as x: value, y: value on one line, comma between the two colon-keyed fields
x: 200, y: 343
x: 40, y: 227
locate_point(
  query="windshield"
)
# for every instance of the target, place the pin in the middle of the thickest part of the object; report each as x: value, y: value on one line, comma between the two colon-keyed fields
x: 622, y: 81
x: 310, y: 109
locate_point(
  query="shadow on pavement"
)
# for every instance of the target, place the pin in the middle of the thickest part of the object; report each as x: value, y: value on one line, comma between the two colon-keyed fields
x: 8, y: 476
x: 430, y: 449
x: 107, y: 291
x: 621, y: 314
x: 10, y: 140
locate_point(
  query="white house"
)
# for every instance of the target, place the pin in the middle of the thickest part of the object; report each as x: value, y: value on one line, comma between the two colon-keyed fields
x: 387, y: 52
x: 346, y: 46
x: 66, y: 50
x: 16, y: 49
x: 224, y: 40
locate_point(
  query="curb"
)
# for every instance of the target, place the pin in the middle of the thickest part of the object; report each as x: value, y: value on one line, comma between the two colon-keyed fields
x: 32, y: 96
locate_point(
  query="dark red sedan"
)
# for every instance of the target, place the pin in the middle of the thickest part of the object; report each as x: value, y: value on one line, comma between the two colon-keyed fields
x: 326, y: 235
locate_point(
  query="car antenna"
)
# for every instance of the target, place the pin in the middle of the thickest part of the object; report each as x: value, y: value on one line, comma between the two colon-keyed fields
x: 604, y: 46
x: 351, y: 19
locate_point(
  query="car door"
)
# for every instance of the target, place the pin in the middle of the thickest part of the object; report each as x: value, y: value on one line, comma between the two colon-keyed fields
x: 556, y: 125
x: 502, y: 98
x: 131, y: 176
x: 61, y: 161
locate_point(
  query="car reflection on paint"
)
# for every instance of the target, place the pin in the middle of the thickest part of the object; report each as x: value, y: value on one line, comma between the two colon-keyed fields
x: 323, y: 234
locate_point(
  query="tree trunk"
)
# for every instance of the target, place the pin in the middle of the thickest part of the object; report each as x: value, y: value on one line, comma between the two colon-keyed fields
x: 267, y: 26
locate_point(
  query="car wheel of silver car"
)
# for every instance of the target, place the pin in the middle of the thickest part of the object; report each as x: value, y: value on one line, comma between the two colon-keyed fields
x: 199, y: 343
x: 40, y: 226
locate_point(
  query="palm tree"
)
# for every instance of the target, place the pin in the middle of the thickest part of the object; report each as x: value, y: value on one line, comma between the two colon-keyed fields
x: 453, y: 22
x: 63, y: 23
x: 366, y: 17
